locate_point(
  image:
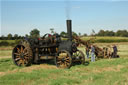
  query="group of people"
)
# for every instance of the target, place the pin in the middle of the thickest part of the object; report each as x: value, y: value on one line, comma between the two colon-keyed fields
x: 92, y: 48
x: 92, y: 53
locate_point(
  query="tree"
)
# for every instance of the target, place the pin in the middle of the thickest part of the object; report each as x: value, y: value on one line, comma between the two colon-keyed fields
x: 125, y: 33
x: 34, y: 33
x: 63, y: 33
x: 109, y: 33
x: 52, y: 30
x: 118, y: 33
x: 19, y: 37
x: 9, y: 36
x: 2, y: 37
x: 85, y: 34
x: 122, y: 33
x: 79, y: 34
x: 26, y: 35
x: 74, y: 34
x: 16, y: 36
x: 101, y: 33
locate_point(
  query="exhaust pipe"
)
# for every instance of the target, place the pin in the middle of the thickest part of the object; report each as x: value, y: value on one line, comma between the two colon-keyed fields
x: 69, y: 29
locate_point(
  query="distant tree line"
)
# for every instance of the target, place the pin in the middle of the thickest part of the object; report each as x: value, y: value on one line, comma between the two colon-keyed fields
x: 11, y: 37
x: 36, y: 33
x: 119, y: 33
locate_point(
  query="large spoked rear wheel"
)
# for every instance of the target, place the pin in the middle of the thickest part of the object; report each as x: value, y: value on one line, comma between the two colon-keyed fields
x: 22, y: 55
x: 79, y: 57
x: 64, y: 59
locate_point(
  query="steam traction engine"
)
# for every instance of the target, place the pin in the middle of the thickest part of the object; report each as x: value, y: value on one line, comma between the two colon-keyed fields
x: 64, y: 52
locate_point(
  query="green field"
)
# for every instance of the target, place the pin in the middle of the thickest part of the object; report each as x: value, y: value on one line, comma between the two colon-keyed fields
x: 101, y: 72
x: 107, y: 39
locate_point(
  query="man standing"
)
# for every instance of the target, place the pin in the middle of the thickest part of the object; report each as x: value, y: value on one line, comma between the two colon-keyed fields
x: 87, y: 52
x: 114, y: 51
x: 92, y: 53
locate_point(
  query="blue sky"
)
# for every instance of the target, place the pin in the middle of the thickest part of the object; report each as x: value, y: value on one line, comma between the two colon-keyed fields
x: 21, y: 16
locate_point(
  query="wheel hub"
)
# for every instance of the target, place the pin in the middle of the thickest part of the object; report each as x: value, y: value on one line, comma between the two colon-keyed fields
x: 22, y: 56
x: 63, y: 59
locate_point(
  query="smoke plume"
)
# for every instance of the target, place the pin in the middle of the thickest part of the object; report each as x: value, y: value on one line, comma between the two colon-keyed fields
x: 68, y: 9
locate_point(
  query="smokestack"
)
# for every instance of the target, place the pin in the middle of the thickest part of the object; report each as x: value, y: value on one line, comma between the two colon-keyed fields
x: 69, y: 29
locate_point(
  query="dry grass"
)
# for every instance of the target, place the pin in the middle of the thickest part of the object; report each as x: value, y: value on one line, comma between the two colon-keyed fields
x: 29, y: 69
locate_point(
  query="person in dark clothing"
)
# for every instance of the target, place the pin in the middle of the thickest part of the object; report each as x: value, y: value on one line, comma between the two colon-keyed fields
x: 87, y: 52
x: 114, y: 51
x: 26, y: 38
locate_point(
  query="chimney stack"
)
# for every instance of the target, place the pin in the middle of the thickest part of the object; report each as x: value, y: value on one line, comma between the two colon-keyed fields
x: 69, y: 29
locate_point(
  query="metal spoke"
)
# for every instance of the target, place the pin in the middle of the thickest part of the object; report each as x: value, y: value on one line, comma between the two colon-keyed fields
x: 17, y: 54
x: 18, y: 50
x: 67, y: 60
x: 25, y: 57
x: 24, y: 50
x: 23, y: 62
x: 17, y: 59
x: 19, y: 62
x: 26, y: 54
x: 59, y: 59
x: 59, y: 62
x: 21, y: 49
x: 67, y: 64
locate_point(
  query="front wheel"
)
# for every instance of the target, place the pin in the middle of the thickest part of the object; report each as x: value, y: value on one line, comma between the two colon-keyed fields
x: 63, y: 60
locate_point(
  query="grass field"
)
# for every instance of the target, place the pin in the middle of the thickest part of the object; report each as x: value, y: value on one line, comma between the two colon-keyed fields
x: 101, y: 72
x: 107, y: 39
